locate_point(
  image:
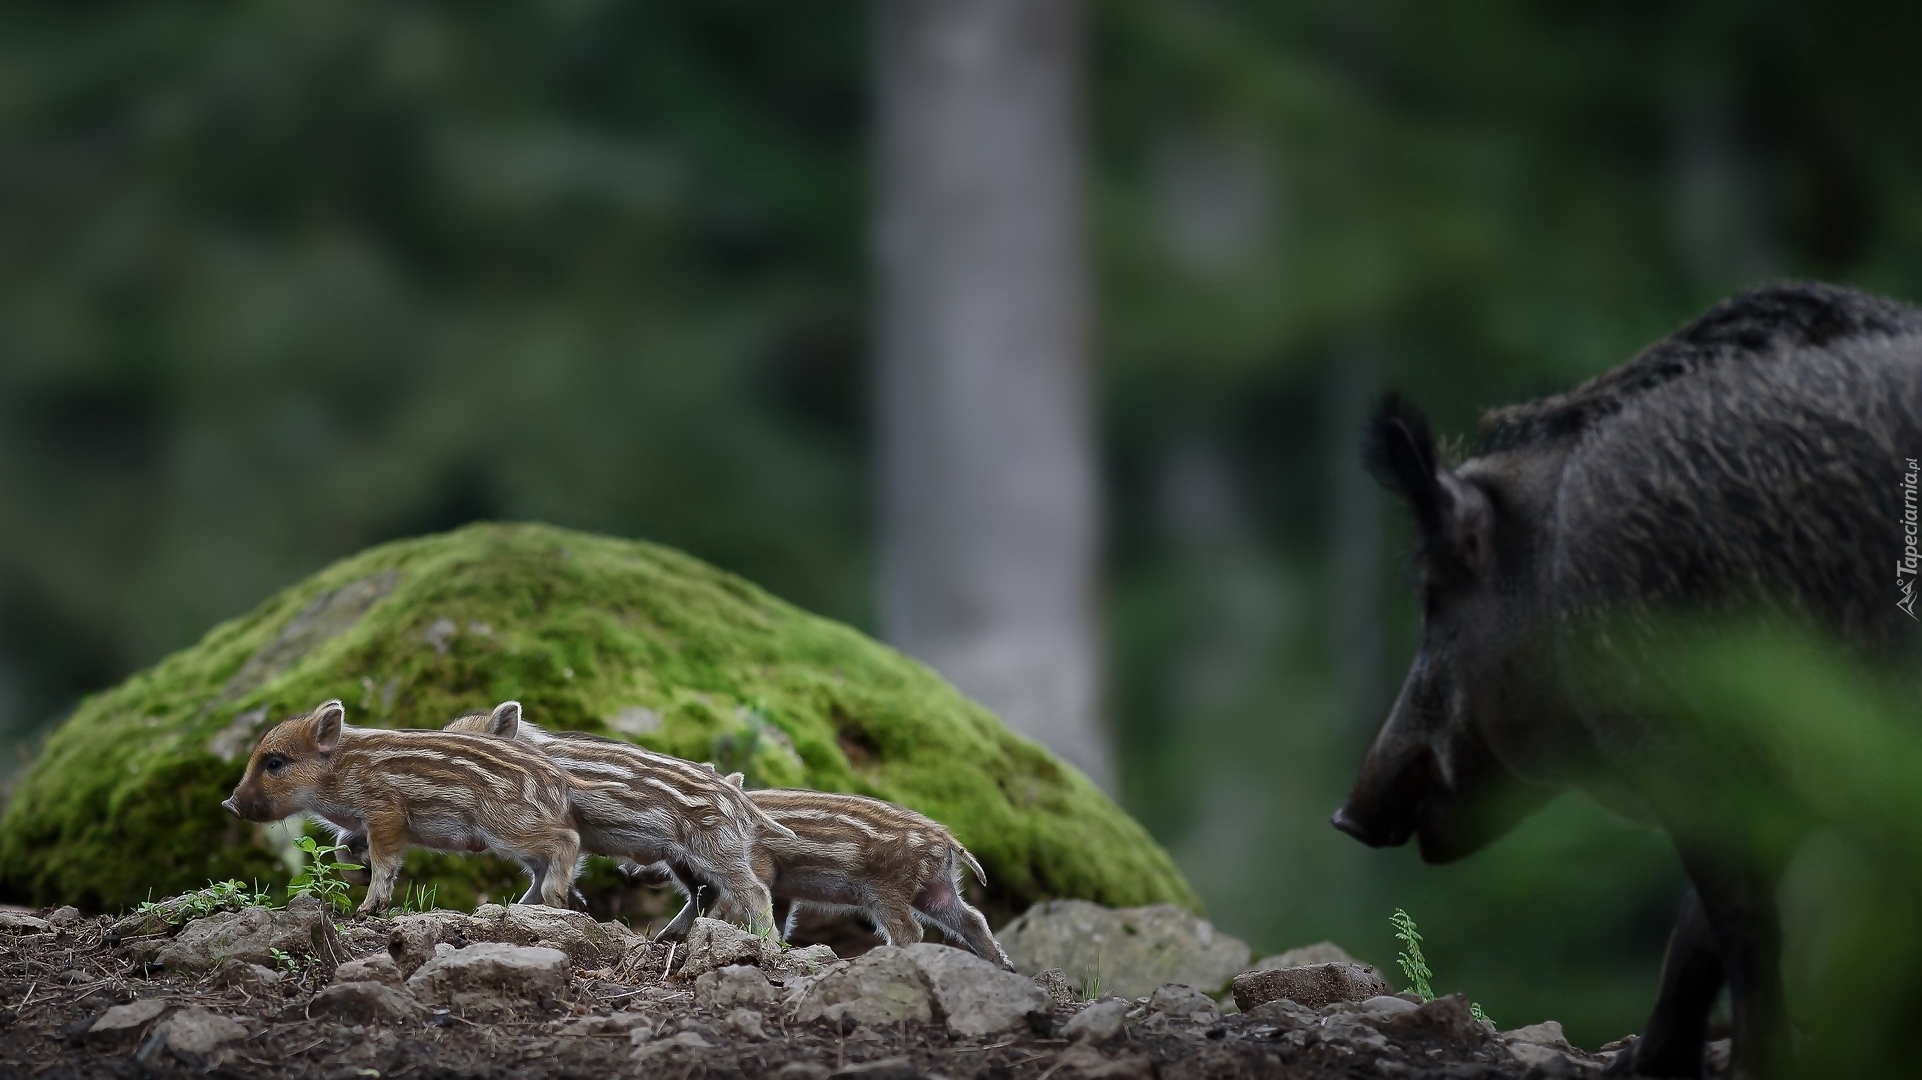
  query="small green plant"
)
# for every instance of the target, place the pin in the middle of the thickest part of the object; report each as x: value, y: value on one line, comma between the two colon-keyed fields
x: 321, y: 879
x: 229, y: 895
x: 1091, y: 983
x: 1415, y: 966
x: 284, y: 962
x: 418, y: 898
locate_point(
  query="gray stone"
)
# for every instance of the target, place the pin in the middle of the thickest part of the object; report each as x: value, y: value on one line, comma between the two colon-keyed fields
x: 1321, y: 952
x: 1104, y: 1021
x: 620, y: 1023
x: 882, y: 986
x: 19, y: 921
x: 736, y: 984
x: 976, y: 996
x: 1284, y: 1015
x: 304, y: 928
x: 1547, y: 1033
x: 1534, y: 1055
x: 1085, y: 1062
x: 1446, y: 1017
x: 1315, y: 986
x: 1385, y: 1005
x: 887, y: 1068
x: 124, y: 1018
x: 1130, y: 950
x: 247, y: 977
x: 365, y: 1002
x: 198, y: 1032
x: 1183, y: 1002
x: 746, y: 1023
x: 379, y: 967
x: 713, y: 944
x: 1054, y: 983
x: 64, y: 916
x: 686, y: 1040
x: 412, y: 939
x: 801, y: 1070
x: 586, y: 942
x: 490, y: 977
x: 1352, y: 1031
x: 792, y: 963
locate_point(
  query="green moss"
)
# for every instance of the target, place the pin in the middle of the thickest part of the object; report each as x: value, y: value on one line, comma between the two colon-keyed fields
x: 590, y: 633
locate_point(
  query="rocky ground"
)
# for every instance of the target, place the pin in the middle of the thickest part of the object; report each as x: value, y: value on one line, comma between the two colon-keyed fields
x: 538, y: 992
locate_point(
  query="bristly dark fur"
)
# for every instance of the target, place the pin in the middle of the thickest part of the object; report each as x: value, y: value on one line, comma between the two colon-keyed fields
x: 1785, y: 315
x: 1400, y: 451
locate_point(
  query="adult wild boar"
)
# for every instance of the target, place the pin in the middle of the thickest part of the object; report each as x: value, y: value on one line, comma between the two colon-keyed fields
x: 1753, y: 460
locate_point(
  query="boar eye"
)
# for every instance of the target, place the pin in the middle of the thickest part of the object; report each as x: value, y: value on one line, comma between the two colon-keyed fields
x: 273, y: 763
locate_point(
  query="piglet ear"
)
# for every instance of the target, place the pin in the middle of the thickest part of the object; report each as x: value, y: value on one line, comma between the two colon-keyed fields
x: 506, y: 720
x: 737, y: 779
x: 328, y: 720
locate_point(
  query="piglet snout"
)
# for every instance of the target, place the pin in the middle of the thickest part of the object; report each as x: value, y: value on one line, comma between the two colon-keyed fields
x: 229, y: 804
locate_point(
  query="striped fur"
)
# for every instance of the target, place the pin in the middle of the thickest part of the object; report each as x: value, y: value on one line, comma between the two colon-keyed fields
x: 647, y: 807
x: 895, y: 867
x: 438, y: 790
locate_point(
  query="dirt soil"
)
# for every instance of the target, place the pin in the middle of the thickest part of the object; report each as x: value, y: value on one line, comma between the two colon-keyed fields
x: 55, y: 982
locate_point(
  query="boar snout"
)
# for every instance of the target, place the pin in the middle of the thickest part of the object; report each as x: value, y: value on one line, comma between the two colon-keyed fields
x: 229, y: 805
x: 1383, y: 808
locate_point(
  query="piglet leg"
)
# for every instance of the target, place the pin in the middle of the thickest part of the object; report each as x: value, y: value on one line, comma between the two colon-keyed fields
x: 895, y: 919
x: 386, y: 841
x: 699, y: 899
x: 558, y: 861
x: 942, y: 904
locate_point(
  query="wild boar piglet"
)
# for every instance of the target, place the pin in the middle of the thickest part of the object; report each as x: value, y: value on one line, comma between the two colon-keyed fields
x: 416, y: 788
x: 896, y: 868
x: 637, y: 805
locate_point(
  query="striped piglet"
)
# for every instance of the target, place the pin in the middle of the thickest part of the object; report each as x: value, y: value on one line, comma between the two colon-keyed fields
x: 432, y: 789
x: 648, y: 808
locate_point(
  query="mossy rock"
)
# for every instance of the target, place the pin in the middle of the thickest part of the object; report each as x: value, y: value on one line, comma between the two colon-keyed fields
x: 588, y: 632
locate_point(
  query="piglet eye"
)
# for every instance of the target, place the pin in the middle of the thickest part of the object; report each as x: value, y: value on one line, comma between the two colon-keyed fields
x: 273, y: 763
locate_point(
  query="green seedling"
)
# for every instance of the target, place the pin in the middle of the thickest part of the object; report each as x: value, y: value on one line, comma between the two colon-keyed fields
x: 1415, y: 966
x: 418, y: 898
x: 321, y: 879
x: 229, y: 895
x: 1091, y: 982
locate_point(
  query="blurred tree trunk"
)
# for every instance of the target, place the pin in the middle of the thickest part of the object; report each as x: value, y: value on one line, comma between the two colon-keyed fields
x: 989, y: 512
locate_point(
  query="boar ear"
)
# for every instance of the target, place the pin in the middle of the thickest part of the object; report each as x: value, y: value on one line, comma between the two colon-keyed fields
x: 737, y: 779
x: 1453, y: 514
x: 1399, y: 451
x: 1470, y: 522
x: 328, y: 720
x: 506, y: 720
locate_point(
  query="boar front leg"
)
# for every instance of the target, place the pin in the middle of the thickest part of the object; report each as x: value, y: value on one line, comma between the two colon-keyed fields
x: 386, y: 840
x: 1737, y: 892
x: 1671, y: 1045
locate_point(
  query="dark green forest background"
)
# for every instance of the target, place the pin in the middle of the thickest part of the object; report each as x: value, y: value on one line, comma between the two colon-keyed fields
x: 281, y: 281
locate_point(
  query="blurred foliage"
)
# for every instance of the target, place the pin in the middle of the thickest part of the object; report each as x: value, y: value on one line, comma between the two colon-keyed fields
x: 277, y: 282
x: 1801, y: 746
